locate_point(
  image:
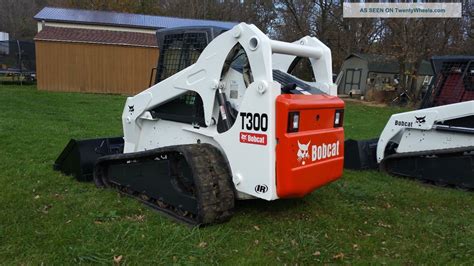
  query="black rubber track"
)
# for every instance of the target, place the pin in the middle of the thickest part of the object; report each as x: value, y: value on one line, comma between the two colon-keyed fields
x: 212, y: 184
x: 448, y: 167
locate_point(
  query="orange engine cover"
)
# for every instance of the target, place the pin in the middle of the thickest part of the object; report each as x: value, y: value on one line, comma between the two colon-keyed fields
x: 314, y: 155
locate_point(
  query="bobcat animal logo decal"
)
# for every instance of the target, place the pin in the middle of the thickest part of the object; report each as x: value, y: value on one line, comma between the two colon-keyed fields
x: 420, y: 120
x: 303, y: 152
x: 317, y: 152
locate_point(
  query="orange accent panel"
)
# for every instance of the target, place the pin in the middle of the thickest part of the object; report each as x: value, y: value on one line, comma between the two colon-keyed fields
x: 321, y: 157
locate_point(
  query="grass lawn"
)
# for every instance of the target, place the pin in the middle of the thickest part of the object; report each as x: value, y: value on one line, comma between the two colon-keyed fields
x: 365, y: 217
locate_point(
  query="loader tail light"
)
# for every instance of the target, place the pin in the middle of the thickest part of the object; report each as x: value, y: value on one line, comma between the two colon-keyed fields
x: 339, y: 118
x: 293, y: 121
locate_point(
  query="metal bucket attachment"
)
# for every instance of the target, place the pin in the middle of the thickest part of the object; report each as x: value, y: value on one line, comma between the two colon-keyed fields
x: 360, y: 154
x: 79, y: 156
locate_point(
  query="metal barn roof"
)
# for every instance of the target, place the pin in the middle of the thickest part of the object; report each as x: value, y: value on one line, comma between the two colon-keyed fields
x: 58, y: 34
x: 122, y: 19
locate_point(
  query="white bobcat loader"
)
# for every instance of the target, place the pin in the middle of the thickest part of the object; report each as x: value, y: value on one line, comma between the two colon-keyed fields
x: 434, y: 143
x: 234, y: 123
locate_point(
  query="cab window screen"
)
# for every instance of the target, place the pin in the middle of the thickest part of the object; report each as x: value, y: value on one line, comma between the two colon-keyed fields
x: 178, y: 52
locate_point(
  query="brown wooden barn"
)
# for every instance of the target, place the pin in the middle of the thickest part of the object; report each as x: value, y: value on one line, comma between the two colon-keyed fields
x: 99, y: 51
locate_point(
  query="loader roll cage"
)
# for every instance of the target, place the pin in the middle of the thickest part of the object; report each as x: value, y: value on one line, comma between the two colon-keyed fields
x: 454, y: 81
x: 206, y: 72
x: 181, y: 47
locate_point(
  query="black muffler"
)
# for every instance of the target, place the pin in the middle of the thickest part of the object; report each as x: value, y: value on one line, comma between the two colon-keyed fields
x: 79, y: 156
x: 360, y: 154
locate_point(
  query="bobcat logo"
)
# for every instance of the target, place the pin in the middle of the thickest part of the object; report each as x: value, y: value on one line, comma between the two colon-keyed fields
x: 131, y: 108
x: 303, y: 152
x: 420, y: 120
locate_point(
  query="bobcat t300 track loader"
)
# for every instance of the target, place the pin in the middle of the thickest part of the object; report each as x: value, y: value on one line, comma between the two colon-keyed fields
x: 235, y: 123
